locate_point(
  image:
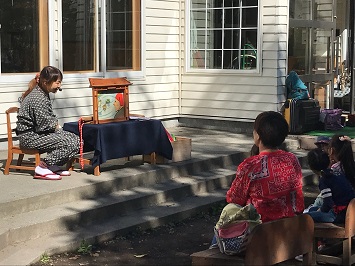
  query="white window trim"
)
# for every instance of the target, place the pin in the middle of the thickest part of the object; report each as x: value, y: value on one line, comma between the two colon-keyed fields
x: 56, y: 49
x: 189, y: 69
x: 101, y: 64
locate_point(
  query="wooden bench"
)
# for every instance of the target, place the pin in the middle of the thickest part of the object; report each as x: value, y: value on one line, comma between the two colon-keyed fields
x: 344, y: 233
x: 270, y: 243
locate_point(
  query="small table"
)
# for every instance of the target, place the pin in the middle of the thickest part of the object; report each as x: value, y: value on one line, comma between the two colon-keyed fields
x: 123, y: 139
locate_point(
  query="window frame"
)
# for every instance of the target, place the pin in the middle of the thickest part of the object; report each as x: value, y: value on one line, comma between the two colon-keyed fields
x: 188, y: 49
x: 100, y: 54
x: 52, y: 52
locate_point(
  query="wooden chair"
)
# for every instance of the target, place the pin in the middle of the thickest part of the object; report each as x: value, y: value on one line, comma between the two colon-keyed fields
x: 344, y: 233
x: 270, y: 243
x: 13, y: 149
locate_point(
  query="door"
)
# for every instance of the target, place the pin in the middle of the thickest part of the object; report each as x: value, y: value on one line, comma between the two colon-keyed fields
x: 311, y: 50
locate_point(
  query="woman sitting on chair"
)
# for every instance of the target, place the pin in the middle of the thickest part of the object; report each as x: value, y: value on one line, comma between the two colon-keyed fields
x: 38, y: 127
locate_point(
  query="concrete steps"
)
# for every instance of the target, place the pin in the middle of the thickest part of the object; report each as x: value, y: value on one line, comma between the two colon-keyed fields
x: 159, y: 214
x: 146, y: 196
x: 143, y: 197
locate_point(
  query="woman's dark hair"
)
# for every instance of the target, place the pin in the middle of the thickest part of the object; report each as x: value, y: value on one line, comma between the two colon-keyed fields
x: 254, y: 150
x: 318, y: 160
x: 272, y: 128
x: 48, y: 75
x: 343, y: 151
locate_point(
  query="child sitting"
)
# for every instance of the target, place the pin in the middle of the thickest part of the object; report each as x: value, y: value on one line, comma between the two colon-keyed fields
x: 336, y: 190
x: 322, y: 142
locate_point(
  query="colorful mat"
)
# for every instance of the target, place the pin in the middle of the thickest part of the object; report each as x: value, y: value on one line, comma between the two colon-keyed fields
x: 348, y: 131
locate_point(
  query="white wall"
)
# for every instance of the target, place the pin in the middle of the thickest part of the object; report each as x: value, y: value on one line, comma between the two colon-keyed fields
x: 155, y: 95
x: 239, y: 96
x: 217, y: 96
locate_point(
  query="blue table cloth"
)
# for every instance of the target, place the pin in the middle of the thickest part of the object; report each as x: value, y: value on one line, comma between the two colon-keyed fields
x: 123, y: 139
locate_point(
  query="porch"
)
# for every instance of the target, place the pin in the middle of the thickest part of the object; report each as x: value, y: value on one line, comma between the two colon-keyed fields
x: 51, y: 217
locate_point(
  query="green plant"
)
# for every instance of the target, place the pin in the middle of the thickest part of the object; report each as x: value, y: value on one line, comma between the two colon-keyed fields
x: 85, y: 247
x: 45, y: 258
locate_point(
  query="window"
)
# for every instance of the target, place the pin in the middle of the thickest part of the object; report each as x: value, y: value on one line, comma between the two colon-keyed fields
x: 120, y: 47
x: 123, y: 35
x: 78, y: 19
x: 223, y: 34
x: 94, y: 35
x: 23, y: 35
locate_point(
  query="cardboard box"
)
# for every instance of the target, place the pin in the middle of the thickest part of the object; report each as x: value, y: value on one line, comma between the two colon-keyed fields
x: 181, y: 151
x: 321, y: 94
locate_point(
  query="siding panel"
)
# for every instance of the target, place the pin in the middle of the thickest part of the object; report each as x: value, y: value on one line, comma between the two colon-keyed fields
x: 231, y: 96
x: 242, y: 96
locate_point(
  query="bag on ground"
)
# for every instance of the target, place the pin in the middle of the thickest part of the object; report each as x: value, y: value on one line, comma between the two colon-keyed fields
x: 331, y: 119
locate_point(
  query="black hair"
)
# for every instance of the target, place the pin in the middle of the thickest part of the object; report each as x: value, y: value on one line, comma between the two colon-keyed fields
x: 272, y: 128
x: 343, y: 151
x: 254, y: 150
x: 48, y: 75
x: 318, y: 160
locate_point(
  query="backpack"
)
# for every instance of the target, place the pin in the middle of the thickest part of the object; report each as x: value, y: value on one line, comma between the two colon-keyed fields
x: 233, y: 238
x: 234, y: 226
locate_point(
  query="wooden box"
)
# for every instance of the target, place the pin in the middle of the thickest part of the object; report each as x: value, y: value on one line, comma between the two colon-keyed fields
x: 110, y: 99
x: 181, y: 151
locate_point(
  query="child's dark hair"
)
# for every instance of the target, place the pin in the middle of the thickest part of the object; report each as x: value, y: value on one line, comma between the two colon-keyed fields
x: 341, y: 146
x: 272, y: 128
x: 44, y: 80
x: 318, y: 160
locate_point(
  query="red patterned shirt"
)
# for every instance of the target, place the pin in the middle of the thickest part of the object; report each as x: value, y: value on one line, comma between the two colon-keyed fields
x: 272, y: 182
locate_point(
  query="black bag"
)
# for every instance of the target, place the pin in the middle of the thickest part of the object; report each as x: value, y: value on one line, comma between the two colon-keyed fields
x: 302, y: 115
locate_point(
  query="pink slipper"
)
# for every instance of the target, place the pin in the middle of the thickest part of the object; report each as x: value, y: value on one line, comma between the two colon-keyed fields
x: 63, y: 173
x: 56, y: 169
x: 49, y: 176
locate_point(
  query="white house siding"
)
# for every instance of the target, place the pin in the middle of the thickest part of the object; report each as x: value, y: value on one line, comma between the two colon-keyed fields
x: 158, y: 93
x: 155, y: 95
x: 238, y: 96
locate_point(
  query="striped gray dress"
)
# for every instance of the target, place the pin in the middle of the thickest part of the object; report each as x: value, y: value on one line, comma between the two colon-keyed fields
x: 36, y: 129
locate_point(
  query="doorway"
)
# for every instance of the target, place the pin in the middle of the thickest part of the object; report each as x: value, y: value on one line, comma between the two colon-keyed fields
x: 311, y: 50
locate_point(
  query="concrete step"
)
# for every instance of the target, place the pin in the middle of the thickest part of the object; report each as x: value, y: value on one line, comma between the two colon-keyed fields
x: 67, y: 216
x: 136, y: 175
x: 74, y: 207
x: 58, y: 242
x: 144, y: 196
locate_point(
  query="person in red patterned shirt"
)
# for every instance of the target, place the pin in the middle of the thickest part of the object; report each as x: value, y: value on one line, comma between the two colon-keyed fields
x: 271, y: 180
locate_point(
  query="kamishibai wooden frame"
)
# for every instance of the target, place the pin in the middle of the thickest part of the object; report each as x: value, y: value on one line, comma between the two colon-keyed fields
x: 110, y: 99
